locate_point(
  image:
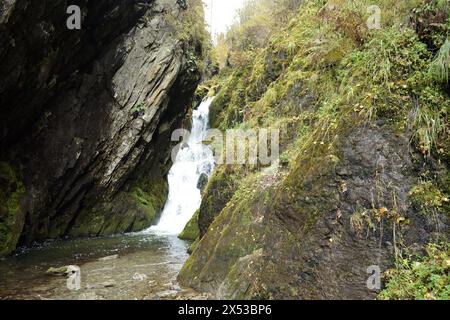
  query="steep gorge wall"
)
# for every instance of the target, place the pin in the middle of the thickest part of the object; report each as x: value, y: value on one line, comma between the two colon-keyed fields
x: 362, y: 177
x: 86, y: 115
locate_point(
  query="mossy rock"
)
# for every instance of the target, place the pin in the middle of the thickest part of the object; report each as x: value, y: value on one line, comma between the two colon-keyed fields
x: 218, y: 192
x: 193, y: 246
x: 11, y: 218
x: 217, y: 106
x: 131, y: 211
x: 88, y: 223
x: 236, y: 284
x: 201, y: 92
x: 61, y: 271
x: 234, y: 234
x: 191, y: 231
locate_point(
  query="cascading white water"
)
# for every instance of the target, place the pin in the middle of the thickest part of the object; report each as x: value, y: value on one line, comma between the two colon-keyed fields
x: 193, y: 160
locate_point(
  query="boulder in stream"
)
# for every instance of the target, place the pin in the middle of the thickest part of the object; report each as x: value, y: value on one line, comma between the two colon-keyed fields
x: 62, y: 271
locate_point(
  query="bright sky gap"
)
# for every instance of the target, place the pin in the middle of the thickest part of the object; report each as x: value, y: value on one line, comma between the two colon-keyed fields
x: 220, y: 14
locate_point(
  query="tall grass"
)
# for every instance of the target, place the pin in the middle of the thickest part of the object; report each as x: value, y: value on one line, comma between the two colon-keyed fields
x: 439, y: 68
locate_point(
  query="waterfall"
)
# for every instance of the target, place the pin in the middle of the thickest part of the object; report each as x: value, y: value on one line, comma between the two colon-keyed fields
x: 193, y: 160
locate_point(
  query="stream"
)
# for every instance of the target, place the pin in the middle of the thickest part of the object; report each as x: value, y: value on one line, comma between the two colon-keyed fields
x: 140, y: 266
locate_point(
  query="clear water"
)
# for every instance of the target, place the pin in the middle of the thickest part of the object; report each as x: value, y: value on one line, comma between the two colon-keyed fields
x: 144, y: 265
x: 146, y: 268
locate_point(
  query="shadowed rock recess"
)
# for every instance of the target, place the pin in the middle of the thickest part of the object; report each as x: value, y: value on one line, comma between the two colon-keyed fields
x: 86, y: 116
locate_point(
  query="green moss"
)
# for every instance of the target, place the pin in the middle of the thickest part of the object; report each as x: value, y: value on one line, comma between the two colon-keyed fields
x: 191, y: 231
x: 61, y: 271
x: 221, y: 187
x: 121, y: 222
x: 11, y: 219
x: 193, y: 246
x: 240, y: 282
x: 146, y: 201
x: 189, y: 27
x: 305, y: 190
x: 88, y: 223
x: 226, y: 109
x: 138, y: 108
x: 128, y: 212
x: 200, y: 93
x: 420, y: 277
x: 233, y: 234
x: 149, y: 195
x: 217, y: 106
x: 428, y: 198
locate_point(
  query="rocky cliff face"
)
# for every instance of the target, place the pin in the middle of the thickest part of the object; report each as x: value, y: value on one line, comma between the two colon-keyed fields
x: 363, y: 177
x: 86, y: 115
x: 313, y: 232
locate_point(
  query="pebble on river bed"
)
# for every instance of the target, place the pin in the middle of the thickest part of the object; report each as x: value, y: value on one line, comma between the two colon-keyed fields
x: 139, y: 277
x: 107, y: 284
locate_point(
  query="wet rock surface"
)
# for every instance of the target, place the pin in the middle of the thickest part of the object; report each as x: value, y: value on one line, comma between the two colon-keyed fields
x: 306, y: 241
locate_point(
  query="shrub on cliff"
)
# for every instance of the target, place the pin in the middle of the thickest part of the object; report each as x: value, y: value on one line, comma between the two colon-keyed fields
x: 420, y: 277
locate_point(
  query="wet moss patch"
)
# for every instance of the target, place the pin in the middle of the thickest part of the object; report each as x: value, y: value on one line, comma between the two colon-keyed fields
x: 191, y: 231
x: 130, y: 211
x: 11, y: 219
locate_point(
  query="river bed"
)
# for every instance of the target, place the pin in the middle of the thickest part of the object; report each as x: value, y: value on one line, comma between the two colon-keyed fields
x: 127, y: 267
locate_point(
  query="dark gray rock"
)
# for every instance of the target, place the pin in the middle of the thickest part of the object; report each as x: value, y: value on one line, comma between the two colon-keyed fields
x: 202, y: 181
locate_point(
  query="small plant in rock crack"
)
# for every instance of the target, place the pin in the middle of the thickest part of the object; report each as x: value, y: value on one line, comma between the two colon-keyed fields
x: 191, y: 59
x: 138, y: 109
